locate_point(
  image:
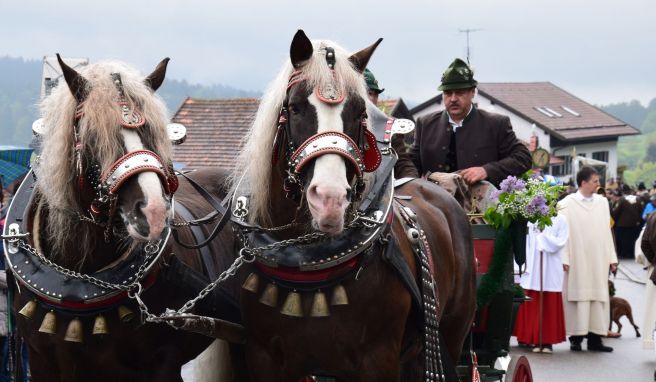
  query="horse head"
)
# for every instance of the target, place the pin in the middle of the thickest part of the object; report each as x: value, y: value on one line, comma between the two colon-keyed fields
x: 322, y: 141
x: 106, y: 153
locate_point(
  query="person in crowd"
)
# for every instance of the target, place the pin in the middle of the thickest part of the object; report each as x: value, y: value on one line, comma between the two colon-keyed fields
x: 404, y: 168
x: 479, y: 145
x: 627, y: 214
x: 649, y: 207
x: 373, y: 90
x: 541, y: 320
x: 588, y: 256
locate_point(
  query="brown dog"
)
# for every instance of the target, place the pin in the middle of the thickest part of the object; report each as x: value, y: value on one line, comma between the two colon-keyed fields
x: 620, y: 307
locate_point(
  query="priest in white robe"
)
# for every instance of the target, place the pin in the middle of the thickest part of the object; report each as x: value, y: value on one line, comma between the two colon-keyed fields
x: 587, y: 258
x: 541, y: 321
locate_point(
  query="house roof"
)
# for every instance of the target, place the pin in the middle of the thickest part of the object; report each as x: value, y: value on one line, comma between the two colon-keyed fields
x: 551, y: 108
x: 215, y: 129
x: 555, y: 110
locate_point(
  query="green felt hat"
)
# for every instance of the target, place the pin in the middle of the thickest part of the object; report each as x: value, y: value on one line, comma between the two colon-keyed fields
x: 458, y: 76
x: 372, y: 84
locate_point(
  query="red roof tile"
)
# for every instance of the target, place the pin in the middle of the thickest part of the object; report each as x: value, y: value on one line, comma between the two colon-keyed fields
x: 215, y: 131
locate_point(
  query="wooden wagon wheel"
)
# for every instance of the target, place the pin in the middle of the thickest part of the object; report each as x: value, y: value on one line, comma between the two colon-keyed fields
x: 519, y: 370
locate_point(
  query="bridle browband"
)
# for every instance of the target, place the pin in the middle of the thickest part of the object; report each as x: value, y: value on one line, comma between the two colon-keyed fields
x: 107, y: 184
x: 364, y: 155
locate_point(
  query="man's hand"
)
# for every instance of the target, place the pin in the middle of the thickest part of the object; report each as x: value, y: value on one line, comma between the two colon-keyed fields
x: 565, y: 267
x: 613, y: 268
x: 473, y: 174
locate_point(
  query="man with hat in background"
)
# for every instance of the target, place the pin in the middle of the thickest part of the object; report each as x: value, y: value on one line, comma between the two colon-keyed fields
x: 373, y: 90
x: 478, y: 144
x: 404, y: 168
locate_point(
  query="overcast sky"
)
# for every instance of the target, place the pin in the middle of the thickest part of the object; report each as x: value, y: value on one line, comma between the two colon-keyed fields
x: 600, y: 50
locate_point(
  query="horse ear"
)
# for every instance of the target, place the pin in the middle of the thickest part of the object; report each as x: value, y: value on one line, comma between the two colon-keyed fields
x: 301, y: 49
x: 77, y: 84
x: 156, y: 78
x: 361, y: 58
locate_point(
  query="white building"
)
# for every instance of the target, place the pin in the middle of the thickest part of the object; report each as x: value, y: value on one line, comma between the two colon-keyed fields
x: 564, y: 125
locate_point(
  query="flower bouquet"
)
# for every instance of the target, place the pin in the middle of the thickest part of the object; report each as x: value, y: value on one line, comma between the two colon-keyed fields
x: 527, y: 199
x: 518, y: 201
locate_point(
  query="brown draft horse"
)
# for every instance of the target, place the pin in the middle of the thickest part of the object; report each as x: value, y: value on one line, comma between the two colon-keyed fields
x: 101, y: 201
x: 313, y: 184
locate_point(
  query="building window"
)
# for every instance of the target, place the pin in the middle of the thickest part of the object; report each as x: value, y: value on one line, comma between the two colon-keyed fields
x: 565, y: 168
x: 600, y: 155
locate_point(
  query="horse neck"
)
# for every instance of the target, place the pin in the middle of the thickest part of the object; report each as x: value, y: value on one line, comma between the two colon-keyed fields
x: 85, y: 250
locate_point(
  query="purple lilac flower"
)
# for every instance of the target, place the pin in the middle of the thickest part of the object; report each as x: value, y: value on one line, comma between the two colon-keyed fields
x: 538, y: 205
x: 494, y: 195
x: 511, y: 183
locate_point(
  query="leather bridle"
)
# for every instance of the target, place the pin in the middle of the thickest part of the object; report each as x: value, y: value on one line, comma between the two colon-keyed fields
x: 107, y: 185
x: 363, y: 155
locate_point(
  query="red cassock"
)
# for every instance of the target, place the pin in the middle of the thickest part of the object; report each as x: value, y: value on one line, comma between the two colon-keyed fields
x: 527, y: 324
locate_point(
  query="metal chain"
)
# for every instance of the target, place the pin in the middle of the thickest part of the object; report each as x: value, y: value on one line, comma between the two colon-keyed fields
x: 150, y: 249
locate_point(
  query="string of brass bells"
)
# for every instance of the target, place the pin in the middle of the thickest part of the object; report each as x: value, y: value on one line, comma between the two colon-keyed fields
x: 293, y: 305
x: 75, y: 330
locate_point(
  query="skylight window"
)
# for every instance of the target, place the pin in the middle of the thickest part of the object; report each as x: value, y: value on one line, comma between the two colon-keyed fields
x: 541, y: 110
x: 572, y: 112
x: 557, y: 114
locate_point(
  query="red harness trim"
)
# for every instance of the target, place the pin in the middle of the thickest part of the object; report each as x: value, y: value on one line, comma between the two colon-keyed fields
x: 76, y: 305
x: 294, y: 274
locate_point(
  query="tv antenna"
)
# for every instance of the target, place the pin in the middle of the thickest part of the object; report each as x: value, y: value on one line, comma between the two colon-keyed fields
x: 467, y: 32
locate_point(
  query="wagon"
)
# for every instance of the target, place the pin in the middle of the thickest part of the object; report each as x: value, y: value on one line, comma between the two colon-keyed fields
x: 489, y: 339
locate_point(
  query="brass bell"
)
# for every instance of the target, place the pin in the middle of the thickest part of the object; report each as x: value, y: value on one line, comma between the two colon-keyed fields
x: 29, y: 310
x: 292, y: 306
x: 320, y: 305
x: 125, y: 314
x: 251, y: 283
x: 339, y: 296
x: 49, y: 323
x: 74, y: 331
x: 270, y: 295
x: 100, y: 326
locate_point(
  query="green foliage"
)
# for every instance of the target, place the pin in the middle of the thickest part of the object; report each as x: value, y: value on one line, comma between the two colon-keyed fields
x: 631, y: 112
x: 645, y: 172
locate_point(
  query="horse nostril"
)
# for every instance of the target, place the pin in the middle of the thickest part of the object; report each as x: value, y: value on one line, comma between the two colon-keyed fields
x: 141, y: 205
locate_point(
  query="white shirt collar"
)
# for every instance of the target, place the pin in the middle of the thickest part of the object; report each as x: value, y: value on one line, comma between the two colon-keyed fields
x: 455, y: 124
x: 583, y: 198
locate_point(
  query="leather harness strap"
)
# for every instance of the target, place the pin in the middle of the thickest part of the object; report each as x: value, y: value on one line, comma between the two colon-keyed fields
x: 205, y: 254
x: 218, y: 207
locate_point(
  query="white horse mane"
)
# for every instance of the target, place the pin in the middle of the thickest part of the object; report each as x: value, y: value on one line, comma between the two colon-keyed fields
x: 100, y: 134
x: 254, y: 163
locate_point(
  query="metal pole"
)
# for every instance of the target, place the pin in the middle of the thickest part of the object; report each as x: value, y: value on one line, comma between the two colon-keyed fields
x: 541, y: 299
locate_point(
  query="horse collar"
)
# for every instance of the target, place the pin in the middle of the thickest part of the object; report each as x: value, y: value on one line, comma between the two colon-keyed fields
x: 64, y: 289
